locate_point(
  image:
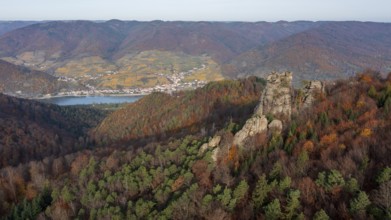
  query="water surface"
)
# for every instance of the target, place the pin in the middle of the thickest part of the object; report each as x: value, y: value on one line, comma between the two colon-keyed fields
x: 89, y: 100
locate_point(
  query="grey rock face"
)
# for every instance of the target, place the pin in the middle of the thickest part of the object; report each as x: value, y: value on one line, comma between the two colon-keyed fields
x: 310, y: 91
x: 276, y: 98
x: 253, y: 126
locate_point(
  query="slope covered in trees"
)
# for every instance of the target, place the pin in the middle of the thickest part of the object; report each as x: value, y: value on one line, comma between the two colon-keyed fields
x: 21, y: 81
x: 160, y: 115
x: 330, y: 161
x: 31, y: 130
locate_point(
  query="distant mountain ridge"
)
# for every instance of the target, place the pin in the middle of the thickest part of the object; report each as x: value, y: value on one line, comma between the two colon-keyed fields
x: 7, y: 26
x: 114, y: 38
x: 94, y: 52
x: 332, y: 50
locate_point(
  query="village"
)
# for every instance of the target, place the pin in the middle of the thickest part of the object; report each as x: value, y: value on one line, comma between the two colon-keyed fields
x: 177, y: 83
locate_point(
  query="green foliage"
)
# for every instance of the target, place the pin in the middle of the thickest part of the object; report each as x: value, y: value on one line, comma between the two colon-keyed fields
x: 372, y: 92
x: 276, y: 172
x: 67, y: 195
x: 360, y: 203
x: 241, y: 190
x: 352, y: 185
x: 232, y: 127
x: 293, y: 204
x: 217, y: 189
x: 225, y: 198
x: 261, y: 191
x: 384, y: 175
x: 269, y: 117
x: 143, y: 208
x: 384, y: 99
x: 324, y: 119
x: 31, y: 209
x: 330, y: 179
x: 207, y: 200
x: 284, y: 183
x: 275, y: 142
x: 273, y: 210
x: 302, y: 160
x: 321, y: 215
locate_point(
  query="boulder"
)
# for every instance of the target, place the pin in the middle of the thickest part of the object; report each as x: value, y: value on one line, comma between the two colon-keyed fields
x: 253, y: 126
x: 215, y: 153
x: 215, y: 141
x: 275, y: 126
x: 211, y: 144
x: 203, y: 148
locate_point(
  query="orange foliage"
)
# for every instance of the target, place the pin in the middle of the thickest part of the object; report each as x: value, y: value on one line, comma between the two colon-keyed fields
x: 329, y: 139
x: 367, y: 115
x: 342, y: 146
x: 233, y: 156
x: 344, y: 125
x: 31, y: 192
x: 373, y: 123
x: 308, y: 146
x: 178, y: 183
x: 366, y: 132
x: 365, y: 78
x: 347, y: 106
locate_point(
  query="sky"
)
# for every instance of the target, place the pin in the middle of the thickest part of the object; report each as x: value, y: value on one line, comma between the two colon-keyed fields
x: 197, y: 10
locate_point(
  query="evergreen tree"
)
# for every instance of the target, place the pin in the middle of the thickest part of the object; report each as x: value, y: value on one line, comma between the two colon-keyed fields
x: 293, y: 204
x: 360, y: 203
x: 321, y: 215
x: 260, y: 192
x: 273, y: 210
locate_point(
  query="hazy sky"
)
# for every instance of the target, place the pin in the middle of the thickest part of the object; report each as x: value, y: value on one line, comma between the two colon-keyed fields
x: 196, y: 10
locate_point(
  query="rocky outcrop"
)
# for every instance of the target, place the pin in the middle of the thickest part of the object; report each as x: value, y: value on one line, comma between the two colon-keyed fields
x: 253, y: 126
x: 276, y: 99
x: 211, y: 144
x: 310, y: 91
x: 275, y: 126
x: 275, y: 103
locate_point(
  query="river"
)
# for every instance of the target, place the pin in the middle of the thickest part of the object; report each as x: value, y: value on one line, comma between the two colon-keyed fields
x: 89, y: 100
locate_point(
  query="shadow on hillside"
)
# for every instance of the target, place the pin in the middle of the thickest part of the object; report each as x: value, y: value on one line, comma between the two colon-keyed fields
x: 221, y: 115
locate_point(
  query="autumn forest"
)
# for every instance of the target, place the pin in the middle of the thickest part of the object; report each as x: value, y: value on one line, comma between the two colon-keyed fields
x: 156, y: 158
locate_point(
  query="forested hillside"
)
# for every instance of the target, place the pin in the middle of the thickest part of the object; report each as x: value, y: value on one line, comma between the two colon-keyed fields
x: 30, y: 130
x: 21, y: 81
x: 161, y: 115
x: 330, y: 161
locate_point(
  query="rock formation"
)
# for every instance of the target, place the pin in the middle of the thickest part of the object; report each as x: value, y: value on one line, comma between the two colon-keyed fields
x: 211, y: 144
x: 275, y: 104
x: 254, y: 125
x: 275, y: 101
x: 275, y: 126
x: 310, y: 91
